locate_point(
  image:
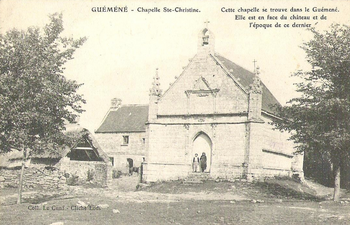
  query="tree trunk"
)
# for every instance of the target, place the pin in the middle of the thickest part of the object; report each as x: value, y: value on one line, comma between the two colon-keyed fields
x: 336, y: 195
x: 20, y: 185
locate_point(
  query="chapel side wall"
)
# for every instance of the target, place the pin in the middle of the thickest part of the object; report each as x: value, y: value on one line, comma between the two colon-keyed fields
x: 271, y: 153
x: 112, y: 144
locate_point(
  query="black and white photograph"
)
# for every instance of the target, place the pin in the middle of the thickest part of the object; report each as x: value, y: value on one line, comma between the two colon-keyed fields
x: 174, y: 112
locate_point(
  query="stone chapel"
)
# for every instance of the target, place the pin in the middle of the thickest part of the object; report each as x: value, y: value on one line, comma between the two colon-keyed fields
x: 221, y: 109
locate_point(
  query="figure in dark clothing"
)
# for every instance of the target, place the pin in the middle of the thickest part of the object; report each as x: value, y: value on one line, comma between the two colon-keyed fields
x: 131, y: 165
x: 203, y: 162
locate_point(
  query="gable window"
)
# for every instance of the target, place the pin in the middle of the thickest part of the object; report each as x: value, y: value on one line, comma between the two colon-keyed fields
x: 125, y: 140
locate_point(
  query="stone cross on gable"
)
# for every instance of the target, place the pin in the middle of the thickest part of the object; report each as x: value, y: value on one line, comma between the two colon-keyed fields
x: 207, y: 23
x: 254, y: 65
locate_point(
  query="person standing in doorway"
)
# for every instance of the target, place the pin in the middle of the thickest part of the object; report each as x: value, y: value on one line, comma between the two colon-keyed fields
x: 203, y: 160
x: 195, y: 163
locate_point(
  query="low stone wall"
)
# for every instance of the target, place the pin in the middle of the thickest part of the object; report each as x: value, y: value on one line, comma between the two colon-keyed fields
x: 157, y: 171
x: 96, y: 172
x: 227, y: 171
x: 34, y: 178
x: 153, y: 172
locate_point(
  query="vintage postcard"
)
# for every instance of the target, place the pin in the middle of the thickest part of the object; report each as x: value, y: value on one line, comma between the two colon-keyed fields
x: 173, y: 103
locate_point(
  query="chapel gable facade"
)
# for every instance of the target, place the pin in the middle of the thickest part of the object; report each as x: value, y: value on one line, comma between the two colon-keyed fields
x: 221, y: 109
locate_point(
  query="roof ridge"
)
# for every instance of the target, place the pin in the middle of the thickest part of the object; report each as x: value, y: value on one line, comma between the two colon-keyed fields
x: 181, y: 74
x: 134, y: 105
x: 228, y: 72
x: 130, y: 117
x: 268, y: 97
x: 236, y: 63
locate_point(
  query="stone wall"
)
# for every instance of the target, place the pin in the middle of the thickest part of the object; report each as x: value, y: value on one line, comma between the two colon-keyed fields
x: 171, y: 150
x: 230, y: 98
x: 153, y: 172
x: 267, y: 151
x: 99, y: 171
x: 38, y: 178
x: 228, y: 150
x: 271, y: 153
x: 112, y: 144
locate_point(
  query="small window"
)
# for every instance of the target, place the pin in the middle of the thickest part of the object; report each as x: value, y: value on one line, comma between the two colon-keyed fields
x: 143, y: 140
x: 112, y: 160
x: 125, y: 140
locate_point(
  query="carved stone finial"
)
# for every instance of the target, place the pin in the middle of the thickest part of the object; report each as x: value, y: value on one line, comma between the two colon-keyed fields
x: 155, y: 90
x: 257, y: 71
x: 256, y: 86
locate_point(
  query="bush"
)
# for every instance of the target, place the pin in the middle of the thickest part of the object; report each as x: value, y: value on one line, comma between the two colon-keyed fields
x: 116, y: 174
x: 90, y: 175
x: 71, y: 179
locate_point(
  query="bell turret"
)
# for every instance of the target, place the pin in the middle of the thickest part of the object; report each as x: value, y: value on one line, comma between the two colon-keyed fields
x: 206, y: 40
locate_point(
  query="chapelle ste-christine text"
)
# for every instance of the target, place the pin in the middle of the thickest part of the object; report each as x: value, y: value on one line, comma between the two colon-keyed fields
x: 125, y: 9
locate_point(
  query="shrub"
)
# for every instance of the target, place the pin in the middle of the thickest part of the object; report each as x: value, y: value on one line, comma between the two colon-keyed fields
x: 90, y: 175
x: 71, y: 179
x: 116, y: 173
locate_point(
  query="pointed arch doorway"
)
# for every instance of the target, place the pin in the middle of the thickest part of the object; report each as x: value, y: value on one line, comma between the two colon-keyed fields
x: 202, y: 144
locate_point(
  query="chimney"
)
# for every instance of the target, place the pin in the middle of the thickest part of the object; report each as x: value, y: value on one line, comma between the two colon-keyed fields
x: 115, y: 103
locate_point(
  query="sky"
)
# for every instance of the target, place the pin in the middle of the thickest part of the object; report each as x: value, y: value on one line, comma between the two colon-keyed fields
x: 123, y: 49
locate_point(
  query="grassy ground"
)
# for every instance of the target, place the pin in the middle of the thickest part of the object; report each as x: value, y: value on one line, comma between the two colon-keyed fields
x: 271, y: 202
x: 270, y: 189
x: 185, y: 212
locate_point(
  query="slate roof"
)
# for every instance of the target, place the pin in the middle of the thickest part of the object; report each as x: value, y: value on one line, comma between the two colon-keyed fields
x: 245, y: 78
x: 128, y: 118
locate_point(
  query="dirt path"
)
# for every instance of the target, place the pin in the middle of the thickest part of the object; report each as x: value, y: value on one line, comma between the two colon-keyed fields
x: 142, y: 196
x: 124, y: 190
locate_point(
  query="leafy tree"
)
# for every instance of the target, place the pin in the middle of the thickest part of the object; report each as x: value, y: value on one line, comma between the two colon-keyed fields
x: 36, y: 100
x: 319, y: 120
